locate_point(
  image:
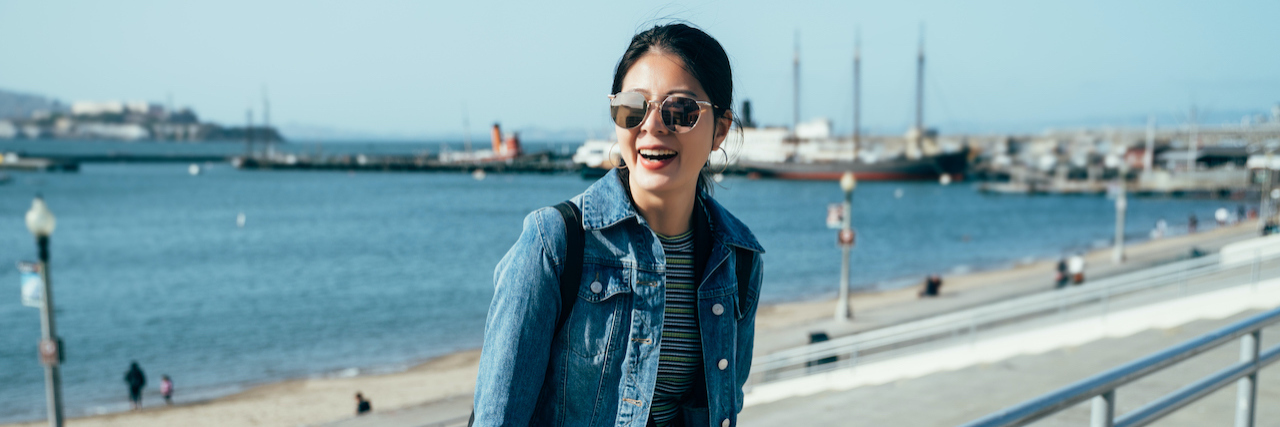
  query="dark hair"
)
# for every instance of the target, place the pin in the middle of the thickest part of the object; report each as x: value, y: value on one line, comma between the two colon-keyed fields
x: 701, y: 55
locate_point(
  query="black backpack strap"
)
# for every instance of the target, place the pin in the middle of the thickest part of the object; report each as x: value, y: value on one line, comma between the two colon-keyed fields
x: 571, y: 276
x: 742, y: 266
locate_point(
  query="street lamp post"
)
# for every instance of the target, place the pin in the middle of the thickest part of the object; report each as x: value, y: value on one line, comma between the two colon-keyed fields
x: 1122, y: 202
x: 847, y: 183
x: 1265, y: 206
x: 40, y: 222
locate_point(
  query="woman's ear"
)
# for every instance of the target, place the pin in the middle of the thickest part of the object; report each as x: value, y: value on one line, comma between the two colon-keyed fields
x: 722, y: 129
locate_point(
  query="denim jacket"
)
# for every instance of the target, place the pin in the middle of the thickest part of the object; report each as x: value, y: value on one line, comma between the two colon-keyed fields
x: 601, y: 368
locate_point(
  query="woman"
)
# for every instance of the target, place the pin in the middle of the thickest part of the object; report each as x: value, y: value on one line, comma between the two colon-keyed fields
x: 644, y: 343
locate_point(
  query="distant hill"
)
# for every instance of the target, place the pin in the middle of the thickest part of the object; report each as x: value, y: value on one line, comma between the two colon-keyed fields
x: 21, y: 105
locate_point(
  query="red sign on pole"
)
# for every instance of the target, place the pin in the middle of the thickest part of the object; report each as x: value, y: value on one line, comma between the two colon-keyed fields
x: 48, y: 352
x: 846, y: 237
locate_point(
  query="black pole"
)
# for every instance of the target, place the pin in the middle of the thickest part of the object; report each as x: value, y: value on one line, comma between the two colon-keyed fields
x: 52, y: 372
x: 42, y: 245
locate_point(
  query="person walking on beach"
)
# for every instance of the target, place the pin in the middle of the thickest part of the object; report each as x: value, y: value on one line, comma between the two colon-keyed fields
x: 1075, y: 267
x: 1062, y: 278
x: 166, y: 389
x: 659, y: 329
x: 136, y: 380
x: 362, y: 405
x: 932, y: 286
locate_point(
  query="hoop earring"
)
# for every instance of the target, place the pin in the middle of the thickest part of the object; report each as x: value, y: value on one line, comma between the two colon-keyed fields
x: 609, y: 155
x: 726, y: 159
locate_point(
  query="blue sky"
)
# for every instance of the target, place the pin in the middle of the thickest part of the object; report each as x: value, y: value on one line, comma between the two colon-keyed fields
x: 406, y: 69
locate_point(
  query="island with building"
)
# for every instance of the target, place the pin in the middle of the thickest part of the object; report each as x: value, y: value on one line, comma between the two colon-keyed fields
x: 24, y: 116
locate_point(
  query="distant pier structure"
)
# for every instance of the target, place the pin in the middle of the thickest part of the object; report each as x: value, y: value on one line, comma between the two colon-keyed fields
x: 505, y: 156
x: 1190, y: 160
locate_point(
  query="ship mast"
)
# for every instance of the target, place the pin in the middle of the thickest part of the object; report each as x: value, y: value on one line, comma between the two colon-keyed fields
x: 248, y: 133
x: 266, y: 118
x: 857, y: 81
x: 795, y: 117
x: 466, y: 129
x: 919, y: 136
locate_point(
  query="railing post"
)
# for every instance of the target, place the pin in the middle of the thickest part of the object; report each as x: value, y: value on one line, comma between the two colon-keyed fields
x: 1104, y: 409
x: 1247, y: 387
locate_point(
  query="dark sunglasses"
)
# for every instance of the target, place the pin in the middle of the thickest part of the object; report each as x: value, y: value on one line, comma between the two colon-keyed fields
x: 679, y: 113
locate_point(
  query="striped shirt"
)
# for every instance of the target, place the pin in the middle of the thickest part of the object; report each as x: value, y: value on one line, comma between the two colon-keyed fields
x: 680, y: 348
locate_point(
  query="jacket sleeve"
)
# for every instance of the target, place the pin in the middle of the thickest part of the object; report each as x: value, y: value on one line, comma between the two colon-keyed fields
x: 520, y: 325
x: 747, y: 327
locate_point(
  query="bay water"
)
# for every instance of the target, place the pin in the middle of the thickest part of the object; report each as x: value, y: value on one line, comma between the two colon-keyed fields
x: 344, y: 273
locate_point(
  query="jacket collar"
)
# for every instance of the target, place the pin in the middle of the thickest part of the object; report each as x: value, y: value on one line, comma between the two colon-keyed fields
x: 606, y: 204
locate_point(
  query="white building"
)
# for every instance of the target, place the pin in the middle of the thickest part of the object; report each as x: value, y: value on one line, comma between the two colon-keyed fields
x: 113, y: 131
x: 93, y: 108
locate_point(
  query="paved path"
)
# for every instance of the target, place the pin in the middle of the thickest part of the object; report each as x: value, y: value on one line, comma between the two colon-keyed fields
x: 956, y: 397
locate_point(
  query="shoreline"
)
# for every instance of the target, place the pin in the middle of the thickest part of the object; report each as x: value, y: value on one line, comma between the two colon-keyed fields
x: 329, y: 397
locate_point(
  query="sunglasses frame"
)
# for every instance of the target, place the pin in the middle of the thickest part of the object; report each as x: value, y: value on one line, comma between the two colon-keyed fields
x: 649, y: 104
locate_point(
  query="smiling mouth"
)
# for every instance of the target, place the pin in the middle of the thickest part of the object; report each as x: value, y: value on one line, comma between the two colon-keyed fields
x: 657, y: 155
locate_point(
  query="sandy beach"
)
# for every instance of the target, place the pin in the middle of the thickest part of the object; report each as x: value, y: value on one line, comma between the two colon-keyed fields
x: 317, y: 401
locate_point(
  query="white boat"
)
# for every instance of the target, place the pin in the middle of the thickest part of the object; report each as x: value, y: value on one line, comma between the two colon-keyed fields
x: 595, y: 158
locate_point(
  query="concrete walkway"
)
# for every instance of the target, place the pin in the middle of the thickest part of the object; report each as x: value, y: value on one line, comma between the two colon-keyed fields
x: 956, y: 397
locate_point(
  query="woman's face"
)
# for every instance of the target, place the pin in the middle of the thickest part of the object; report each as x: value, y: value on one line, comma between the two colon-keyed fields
x: 644, y: 147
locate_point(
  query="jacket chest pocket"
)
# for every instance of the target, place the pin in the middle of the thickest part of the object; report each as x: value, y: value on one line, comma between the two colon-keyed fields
x: 596, y: 325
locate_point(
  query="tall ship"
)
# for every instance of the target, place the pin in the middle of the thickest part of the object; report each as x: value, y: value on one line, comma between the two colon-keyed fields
x: 809, y: 151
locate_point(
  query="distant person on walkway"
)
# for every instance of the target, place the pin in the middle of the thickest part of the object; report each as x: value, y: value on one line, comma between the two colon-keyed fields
x: 166, y: 389
x: 1161, y: 229
x: 932, y: 286
x: 1241, y: 213
x: 1192, y: 222
x: 1075, y: 267
x: 362, y: 405
x: 1061, y: 279
x: 136, y: 380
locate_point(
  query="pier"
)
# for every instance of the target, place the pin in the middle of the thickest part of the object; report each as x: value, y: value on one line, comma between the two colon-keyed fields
x: 545, y: 162
x: 37, y: 164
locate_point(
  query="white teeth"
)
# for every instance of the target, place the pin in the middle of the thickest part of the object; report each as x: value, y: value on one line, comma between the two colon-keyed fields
x: 656, y: 152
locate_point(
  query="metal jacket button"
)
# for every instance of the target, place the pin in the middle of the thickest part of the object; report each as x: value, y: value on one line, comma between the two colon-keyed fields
x: 596, y: 287
x: 717, y: 309
x: 724, y: 423
x: 724, y: 364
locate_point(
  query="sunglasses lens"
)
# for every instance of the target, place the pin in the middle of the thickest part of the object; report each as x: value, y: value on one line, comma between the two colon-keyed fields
x: 627, y: 109
x: 680, y: 114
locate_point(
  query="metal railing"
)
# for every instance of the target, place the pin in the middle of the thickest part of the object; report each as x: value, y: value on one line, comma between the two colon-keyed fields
x: 1101, y: 388
x: 850, y: 350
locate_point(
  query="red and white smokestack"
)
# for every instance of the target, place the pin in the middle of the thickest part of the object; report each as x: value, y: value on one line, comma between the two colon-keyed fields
x: 496, y: 139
